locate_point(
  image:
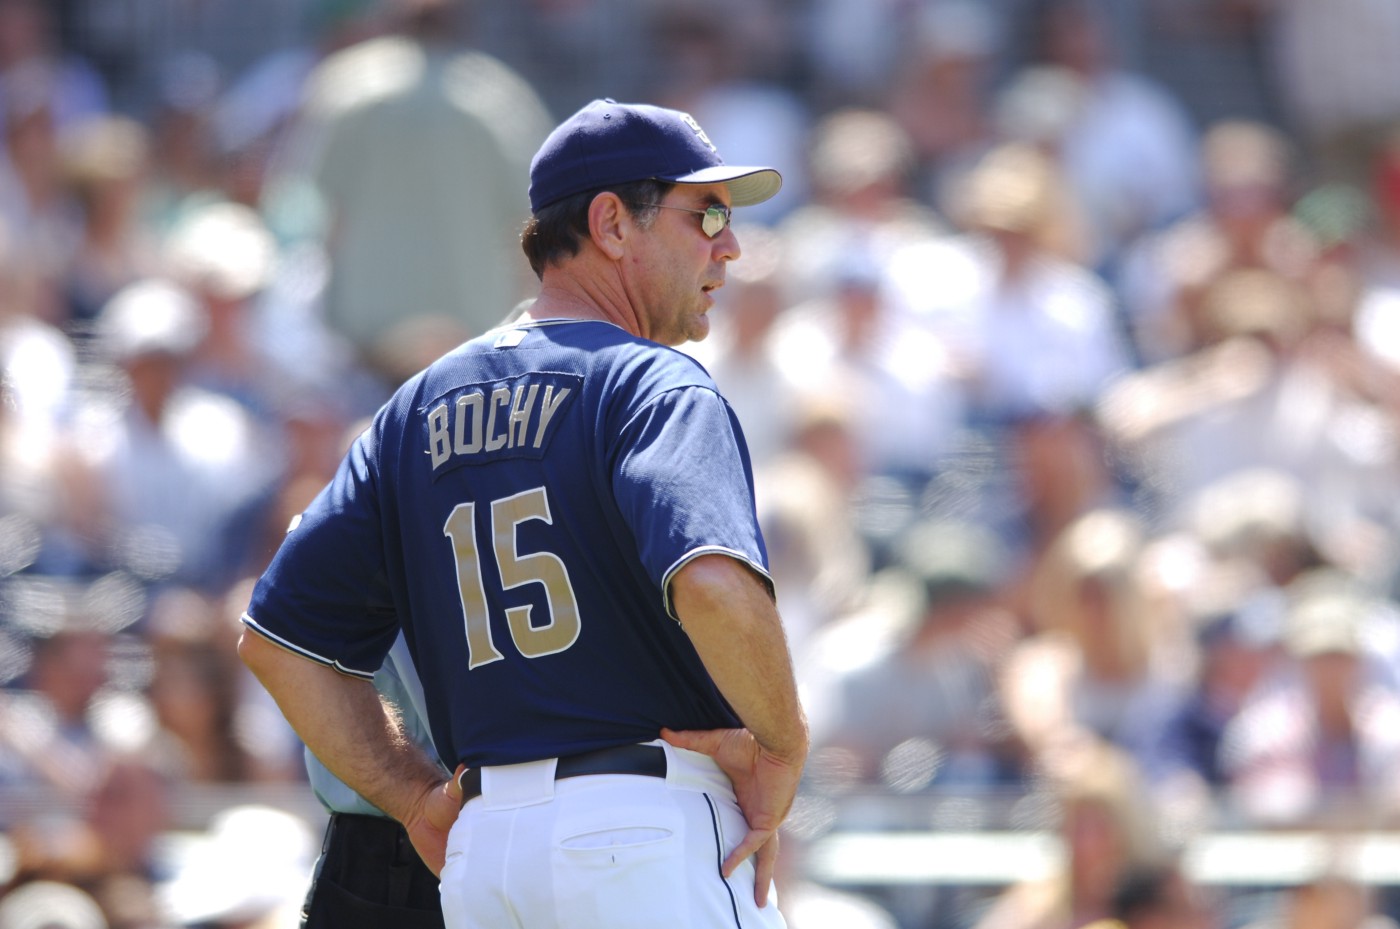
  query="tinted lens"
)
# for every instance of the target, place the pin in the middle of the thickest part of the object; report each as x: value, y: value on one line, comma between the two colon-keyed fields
x: 716, y: 218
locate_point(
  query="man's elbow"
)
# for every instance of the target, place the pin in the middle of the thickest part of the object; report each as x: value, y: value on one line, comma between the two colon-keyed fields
x: 255, y: 651
x: 717, y: 580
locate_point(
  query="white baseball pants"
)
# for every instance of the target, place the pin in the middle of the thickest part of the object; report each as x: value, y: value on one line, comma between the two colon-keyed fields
x: 603, y: 851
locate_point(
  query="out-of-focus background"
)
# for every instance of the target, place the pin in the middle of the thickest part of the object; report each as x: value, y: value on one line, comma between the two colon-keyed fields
x: 1069, y: 358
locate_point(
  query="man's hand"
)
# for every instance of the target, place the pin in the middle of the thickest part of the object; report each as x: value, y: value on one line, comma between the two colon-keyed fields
x: 431, y: 820
x: 342, y: 719
x: 764, y: 785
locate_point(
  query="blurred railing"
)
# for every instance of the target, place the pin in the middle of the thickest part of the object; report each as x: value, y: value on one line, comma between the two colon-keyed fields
x: 1227, y: 859
x: 871, y: 840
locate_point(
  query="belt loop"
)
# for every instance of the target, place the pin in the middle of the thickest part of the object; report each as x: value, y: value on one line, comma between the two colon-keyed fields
x: 512, y: 785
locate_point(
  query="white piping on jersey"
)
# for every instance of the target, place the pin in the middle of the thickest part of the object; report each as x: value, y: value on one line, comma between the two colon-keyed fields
x: 696, y: 553
x: 252, y: 624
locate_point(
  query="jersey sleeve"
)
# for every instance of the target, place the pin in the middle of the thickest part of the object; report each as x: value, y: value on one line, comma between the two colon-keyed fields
x: 685, y: 487
x: 326, y: 594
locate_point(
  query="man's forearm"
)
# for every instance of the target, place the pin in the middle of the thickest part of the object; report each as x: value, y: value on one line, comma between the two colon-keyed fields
x: 732, y: 621
x: 344, y: 723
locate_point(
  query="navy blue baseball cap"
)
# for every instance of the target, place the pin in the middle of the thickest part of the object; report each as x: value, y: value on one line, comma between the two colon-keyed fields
x: 608, y: 143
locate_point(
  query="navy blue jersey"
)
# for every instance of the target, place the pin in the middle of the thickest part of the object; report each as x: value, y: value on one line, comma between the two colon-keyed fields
x: 521, y: 507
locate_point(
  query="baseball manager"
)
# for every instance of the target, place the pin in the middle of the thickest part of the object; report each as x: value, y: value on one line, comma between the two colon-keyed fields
x: 559, y: 517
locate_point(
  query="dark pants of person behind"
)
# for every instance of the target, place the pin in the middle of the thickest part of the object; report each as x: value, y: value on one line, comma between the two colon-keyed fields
x: 370, y: 877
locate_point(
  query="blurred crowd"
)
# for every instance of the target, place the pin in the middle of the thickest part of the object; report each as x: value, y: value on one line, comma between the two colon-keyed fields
x: 1065, y: 358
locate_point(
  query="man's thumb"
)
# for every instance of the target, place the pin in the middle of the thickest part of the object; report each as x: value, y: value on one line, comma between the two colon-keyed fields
x: 454, y: 783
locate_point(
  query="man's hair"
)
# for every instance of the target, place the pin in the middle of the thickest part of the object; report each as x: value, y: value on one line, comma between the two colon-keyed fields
x: 557, y: 231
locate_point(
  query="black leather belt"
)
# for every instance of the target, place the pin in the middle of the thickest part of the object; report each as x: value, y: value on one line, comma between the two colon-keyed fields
x: 646, y: 760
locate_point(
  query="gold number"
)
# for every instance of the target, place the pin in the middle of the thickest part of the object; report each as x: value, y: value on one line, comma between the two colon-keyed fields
x: 540, y: 567
x: 459, y: 528
x: 516, y: 570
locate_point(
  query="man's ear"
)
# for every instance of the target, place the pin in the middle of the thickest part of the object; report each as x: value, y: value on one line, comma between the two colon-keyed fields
x: 609, y: 223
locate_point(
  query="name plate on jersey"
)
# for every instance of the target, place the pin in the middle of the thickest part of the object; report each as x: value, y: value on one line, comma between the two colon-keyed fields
x: 512, y: 418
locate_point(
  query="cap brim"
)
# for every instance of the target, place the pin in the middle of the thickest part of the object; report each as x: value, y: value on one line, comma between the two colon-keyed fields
x: 747, y: 186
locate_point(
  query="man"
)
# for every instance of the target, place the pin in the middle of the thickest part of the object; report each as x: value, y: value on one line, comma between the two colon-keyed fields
x: 559, y: 516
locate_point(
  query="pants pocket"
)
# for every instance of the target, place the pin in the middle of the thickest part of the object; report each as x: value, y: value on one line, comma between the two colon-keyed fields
x: 626, y: 874
x: 622, y: 836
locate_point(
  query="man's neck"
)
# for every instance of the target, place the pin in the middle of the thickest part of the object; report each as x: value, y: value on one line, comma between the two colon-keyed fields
x: 567, y: 296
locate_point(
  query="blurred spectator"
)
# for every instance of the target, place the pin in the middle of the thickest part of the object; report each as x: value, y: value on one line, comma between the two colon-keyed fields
x: 1255, y: 521
x: 110, y: 845
x: 1108, y: 832
x: 265, y: 345
x: 1246, y: 222
x: 1027, y: 339
x: 817, y: 553
x: 1332, y: 63
x: 130, y: 816
x: 926, y: 711
x: 1030, y: 331
x: 1125, y: 143
x: 1096, y: 665
x: 183, y: 165
x: 1251, y: 542
x: 1260, y: 397
x: 941, y: 92
x: 1321, y: 746
x: 129, y: 812
x: 410, y: 131
x: 32, y: 63
x: 1238, y: 652
x: 195, y: 693
x: 48, y: 727
x: 1327, y: 902
x: 858, y: 344
x: 105, y: 161
x: 1159, y: 896
x: 50, y: 905
x: 222, y: 254
x: 1165, y: 898
x: 1059, y: 473
x: 860, y: 163
x: 33, y: 199
x: 175, y: 474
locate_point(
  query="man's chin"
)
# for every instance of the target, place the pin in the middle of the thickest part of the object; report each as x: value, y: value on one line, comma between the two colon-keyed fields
x: 699, y: 328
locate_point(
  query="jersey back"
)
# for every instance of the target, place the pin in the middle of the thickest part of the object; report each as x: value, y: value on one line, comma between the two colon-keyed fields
x: 520, y: 508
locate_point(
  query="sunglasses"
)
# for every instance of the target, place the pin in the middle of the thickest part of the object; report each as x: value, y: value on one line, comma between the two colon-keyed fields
x: 717, y: 216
